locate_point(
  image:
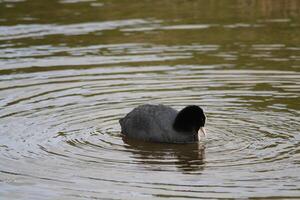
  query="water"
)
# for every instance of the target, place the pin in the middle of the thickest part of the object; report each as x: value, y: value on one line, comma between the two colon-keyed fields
x: 70, y: 69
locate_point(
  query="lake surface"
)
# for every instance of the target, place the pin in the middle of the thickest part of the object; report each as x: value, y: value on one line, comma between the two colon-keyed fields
x: 70, y: 69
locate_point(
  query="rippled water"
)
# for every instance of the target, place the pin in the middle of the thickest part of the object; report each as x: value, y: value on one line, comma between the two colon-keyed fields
x: 70, y: 69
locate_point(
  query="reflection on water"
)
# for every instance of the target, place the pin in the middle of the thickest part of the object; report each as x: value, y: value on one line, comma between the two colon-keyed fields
x: 188, y: 157
x: 70, y: 69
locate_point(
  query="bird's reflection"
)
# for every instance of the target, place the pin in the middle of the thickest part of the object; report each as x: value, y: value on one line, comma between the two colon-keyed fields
x: 186, y: 157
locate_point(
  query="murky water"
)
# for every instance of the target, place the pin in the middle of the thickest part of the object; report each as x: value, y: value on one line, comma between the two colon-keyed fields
x: 70, y: 69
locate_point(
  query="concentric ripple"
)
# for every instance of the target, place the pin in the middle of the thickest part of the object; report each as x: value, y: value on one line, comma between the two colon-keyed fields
x: 65, y: 126
x: 64, y: 86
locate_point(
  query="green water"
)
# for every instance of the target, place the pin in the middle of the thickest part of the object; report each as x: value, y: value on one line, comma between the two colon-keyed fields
x: 70, y: 69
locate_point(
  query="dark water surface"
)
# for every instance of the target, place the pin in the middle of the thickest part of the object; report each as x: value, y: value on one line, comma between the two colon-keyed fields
x: 69, y: 69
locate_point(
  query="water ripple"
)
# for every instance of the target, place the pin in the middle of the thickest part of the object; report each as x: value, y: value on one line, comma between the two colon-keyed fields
x: 39, y: 30
x: 60, y: 103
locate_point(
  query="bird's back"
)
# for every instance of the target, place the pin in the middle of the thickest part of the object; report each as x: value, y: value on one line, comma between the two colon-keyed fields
x: 149, y: 123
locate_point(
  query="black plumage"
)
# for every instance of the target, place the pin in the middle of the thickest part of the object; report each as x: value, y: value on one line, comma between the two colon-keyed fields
x: 160, y: 123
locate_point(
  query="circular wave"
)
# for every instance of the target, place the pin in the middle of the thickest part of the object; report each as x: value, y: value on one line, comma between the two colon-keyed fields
x: 62, y: 127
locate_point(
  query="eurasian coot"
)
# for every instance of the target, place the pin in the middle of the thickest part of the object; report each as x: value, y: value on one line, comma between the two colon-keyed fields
x: 160, y: 123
